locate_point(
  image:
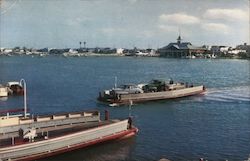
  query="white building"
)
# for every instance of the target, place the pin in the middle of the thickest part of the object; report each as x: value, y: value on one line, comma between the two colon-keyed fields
x: 72, y: 51
x: 236, y: 51
x: 119, y: 51
x: 224, y: 49
x: 7, y: 51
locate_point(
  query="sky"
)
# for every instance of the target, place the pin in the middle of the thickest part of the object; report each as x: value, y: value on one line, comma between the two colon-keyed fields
x: 122, y: 23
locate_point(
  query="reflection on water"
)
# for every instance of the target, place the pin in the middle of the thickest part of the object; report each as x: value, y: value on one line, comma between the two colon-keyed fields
x: 3, y: 99
x: 214, y: 126
x: 110, y: 151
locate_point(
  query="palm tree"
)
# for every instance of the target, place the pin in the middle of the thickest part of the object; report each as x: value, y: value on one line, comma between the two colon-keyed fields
x: 84, y: 43
x: 80, y: 44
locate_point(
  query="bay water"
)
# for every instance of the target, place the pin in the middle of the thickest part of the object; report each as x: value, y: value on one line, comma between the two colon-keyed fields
x: 214, y: 126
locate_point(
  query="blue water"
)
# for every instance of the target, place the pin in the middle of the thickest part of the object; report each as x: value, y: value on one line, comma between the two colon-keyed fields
x: 215, y: 126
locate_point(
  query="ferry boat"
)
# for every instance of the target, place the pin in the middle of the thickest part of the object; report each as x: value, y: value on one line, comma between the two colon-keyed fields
x: 152, y: 91
x: 29, y: 138
x: 24, y: 137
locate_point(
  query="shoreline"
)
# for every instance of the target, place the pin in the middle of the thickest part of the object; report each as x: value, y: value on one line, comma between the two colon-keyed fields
x: 66, y: 55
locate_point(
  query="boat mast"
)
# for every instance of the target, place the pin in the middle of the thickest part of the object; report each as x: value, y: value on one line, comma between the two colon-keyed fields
x: 22, y: 81
x: 130, y: 106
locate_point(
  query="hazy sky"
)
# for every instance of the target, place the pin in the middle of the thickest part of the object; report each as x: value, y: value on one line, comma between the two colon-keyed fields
x: 122, y: 23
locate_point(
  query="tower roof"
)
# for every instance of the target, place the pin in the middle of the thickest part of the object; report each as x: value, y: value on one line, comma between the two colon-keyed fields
x: 179, y: 39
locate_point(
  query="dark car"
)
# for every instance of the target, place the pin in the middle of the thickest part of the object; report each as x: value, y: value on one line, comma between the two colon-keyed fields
x: 155, y: 85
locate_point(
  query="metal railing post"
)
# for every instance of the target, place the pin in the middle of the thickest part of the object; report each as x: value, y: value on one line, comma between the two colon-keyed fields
x: 25, y: 96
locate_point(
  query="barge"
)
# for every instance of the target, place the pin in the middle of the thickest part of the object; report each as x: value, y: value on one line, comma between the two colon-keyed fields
x: 29, y: 138
x: 155, y: 90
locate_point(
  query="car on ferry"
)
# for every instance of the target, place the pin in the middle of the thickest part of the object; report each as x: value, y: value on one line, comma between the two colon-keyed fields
x: 128, y: 89
x: 152, y: 91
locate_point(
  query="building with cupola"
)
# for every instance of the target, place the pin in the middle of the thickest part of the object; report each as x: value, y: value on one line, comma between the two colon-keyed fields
x: 181, y: 49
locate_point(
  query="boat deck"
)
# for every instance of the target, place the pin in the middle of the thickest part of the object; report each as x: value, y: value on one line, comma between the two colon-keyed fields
x: 50, y: 132
x: 66, y: 138
x: 124, y: 99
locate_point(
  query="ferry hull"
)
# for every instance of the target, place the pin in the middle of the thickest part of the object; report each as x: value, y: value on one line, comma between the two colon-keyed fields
x: 122, y: 135
x: 54, y: 146
x: 153, y: 96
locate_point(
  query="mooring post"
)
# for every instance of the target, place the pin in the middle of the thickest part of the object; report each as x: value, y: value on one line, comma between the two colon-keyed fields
x: 13, y: 140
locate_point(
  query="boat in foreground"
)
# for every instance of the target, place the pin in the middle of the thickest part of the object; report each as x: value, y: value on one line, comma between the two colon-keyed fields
x: 27, y: 138
x: 155, y: 90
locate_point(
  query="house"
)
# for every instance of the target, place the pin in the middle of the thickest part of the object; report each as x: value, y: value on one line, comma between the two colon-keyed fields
x: 181, y: 49
x: 56, y: 51
x: 236, y: 51
x: 244, y: 47
x: 225, y: 49
x: 106, y: 50
x: 119, y: 51
x: 44, y: 50
x: 220, y: 50
x: 7, y: 51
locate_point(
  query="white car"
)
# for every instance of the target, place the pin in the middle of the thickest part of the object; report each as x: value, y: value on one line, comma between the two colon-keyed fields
x: 128, y: 89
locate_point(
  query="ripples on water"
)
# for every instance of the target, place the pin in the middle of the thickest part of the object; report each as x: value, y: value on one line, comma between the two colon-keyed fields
x: 215, y: 126
x: 229, y: 94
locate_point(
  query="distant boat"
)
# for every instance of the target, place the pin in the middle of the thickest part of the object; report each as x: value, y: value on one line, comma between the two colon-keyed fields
x: 140, y: 53
x: 3, y: 91
x: 15, y: 88
x: 42, y: 55
x: 213, y: 56
x: 191, y: 57
x: 210, y: 56
x: 152, y: 91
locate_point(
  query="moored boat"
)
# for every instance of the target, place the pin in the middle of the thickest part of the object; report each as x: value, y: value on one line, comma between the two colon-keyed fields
x: 15, y: 88
x: 3, y: 91
x: 152, y: 91
x: 43, y: 136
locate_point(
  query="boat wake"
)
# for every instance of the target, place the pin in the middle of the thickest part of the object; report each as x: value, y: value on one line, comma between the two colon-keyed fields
x: 229, y: 94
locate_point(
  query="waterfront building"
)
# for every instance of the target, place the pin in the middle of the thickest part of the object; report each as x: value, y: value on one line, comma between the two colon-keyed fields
x: 244, y: 47
x: 215, y: 49
x: 56, y: 51
x: 181, y: 50
x: 220, y: 50
x: 44, y: 50
x: 7, y: 51
x: 119, y: 51
x: 236, y: 51
x: 105, y: 50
